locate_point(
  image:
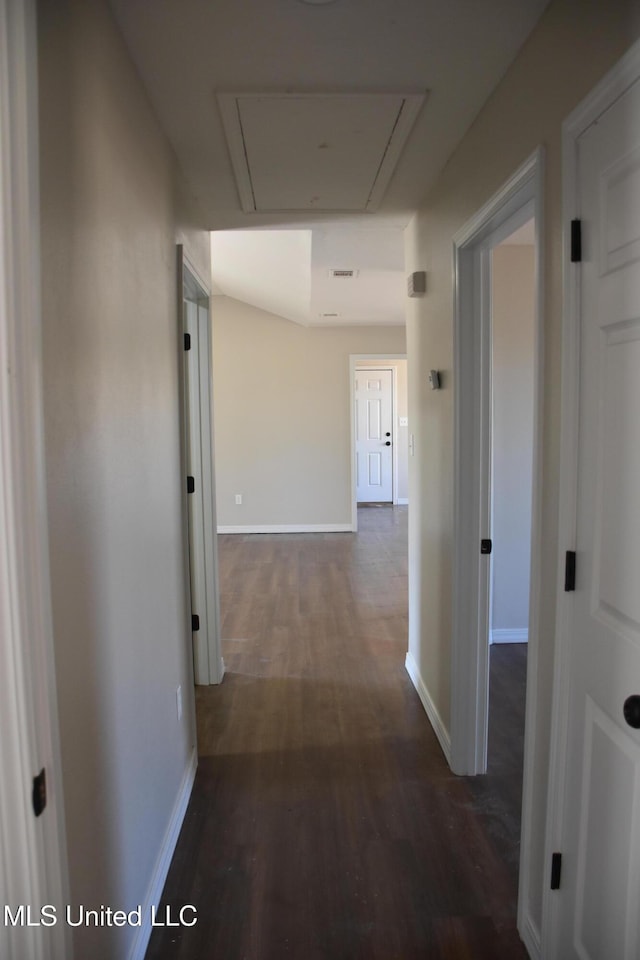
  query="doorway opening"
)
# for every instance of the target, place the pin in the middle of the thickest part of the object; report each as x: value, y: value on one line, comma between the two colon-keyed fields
x: 513, y: 302
x: 512, y: 319
x: 477, y: 254
x: 512, y: 355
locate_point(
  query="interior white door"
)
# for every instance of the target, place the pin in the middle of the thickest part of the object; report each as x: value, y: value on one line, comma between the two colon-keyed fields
x: 374, y: 436
x: 197, y: 566
x: 600, y: 882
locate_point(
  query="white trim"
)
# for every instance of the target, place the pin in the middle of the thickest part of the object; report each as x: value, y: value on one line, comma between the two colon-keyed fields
x: 33, y: 865
x: 504, y: 202
x: 604, y: 94
x: 163, y: 862
x: 208, y: 666
x: 430, y: 708
x: 530, y: 935
x: 356, y: 360
x: 287, y: 528
x: 205, y: 287
x: 535, y: 599
x: 509, y: 635
x: 214, y: 643
x: 520, y: 197
x: 402, y: 502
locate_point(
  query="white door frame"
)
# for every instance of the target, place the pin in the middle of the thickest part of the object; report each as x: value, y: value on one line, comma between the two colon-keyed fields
x: 518, y: 200
x: 613, y: 85
x: 361, y: 360
x: 209, y: 665
x: 33, y: 858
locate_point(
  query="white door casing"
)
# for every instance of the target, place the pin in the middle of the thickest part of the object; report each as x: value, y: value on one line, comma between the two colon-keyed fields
x: 195, y: 505
x: 33, y: 855
x: 202, y: 557
x: 518, y: 200
x: 374, y: 435
x: 594, y: 820
x: 208, y: 493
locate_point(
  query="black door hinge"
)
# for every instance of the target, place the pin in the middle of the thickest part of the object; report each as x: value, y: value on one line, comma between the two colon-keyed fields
x: 556, y: 870
x: 195, y: 622
x: 576, y: 241
x: 570, y: 571
x: 39, y: 793
x: 486, y: 546
x: 187, y: 341
x: 191, y: 485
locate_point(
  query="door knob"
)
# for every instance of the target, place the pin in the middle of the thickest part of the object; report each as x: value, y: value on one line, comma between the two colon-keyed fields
x: 387, y: 443
x: 387, y: 434
x: 631, y: 710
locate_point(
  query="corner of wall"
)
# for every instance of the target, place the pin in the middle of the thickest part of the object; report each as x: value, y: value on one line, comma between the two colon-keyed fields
x: 431, y: 710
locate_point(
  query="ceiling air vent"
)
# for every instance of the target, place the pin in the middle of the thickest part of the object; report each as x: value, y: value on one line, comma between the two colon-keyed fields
x: 346, y: 274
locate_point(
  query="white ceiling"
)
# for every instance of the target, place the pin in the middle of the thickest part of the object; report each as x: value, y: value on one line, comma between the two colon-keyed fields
x: 288, y: 272
x: 269, y: 269
x: 313, y: 151
x: 376, y: 294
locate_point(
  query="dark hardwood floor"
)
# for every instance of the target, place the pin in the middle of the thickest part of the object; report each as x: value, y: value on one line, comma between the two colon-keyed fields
x: 324, y: 822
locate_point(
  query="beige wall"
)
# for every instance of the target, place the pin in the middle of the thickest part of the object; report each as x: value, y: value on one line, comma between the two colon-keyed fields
x: 111, y: 354
x: 513, y: 325
x: 282, y: 415
x: 574, y: 44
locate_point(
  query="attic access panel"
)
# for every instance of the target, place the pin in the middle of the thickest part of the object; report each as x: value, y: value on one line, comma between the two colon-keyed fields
x: 300, y: 152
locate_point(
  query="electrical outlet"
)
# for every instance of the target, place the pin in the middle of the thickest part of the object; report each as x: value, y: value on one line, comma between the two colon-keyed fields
x: 238, y: 499
x: 179, y: 702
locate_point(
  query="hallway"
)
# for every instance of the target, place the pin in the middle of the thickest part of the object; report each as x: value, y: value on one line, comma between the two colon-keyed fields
x: 324, y: 821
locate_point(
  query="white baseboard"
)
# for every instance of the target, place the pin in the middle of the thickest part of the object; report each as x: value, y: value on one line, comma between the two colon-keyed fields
x: 288, y: 528
x: 530, y: 936
x: 509, y: 635
x: 402, y: 501
x: 159, y: 876
x: 435, y: 719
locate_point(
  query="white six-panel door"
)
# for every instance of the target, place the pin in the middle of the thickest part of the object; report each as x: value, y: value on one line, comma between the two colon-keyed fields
x: 599, y: 892
x: 374, y: 435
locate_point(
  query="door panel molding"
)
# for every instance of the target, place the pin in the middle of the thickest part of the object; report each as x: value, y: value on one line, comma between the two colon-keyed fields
x: 376, y: 467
